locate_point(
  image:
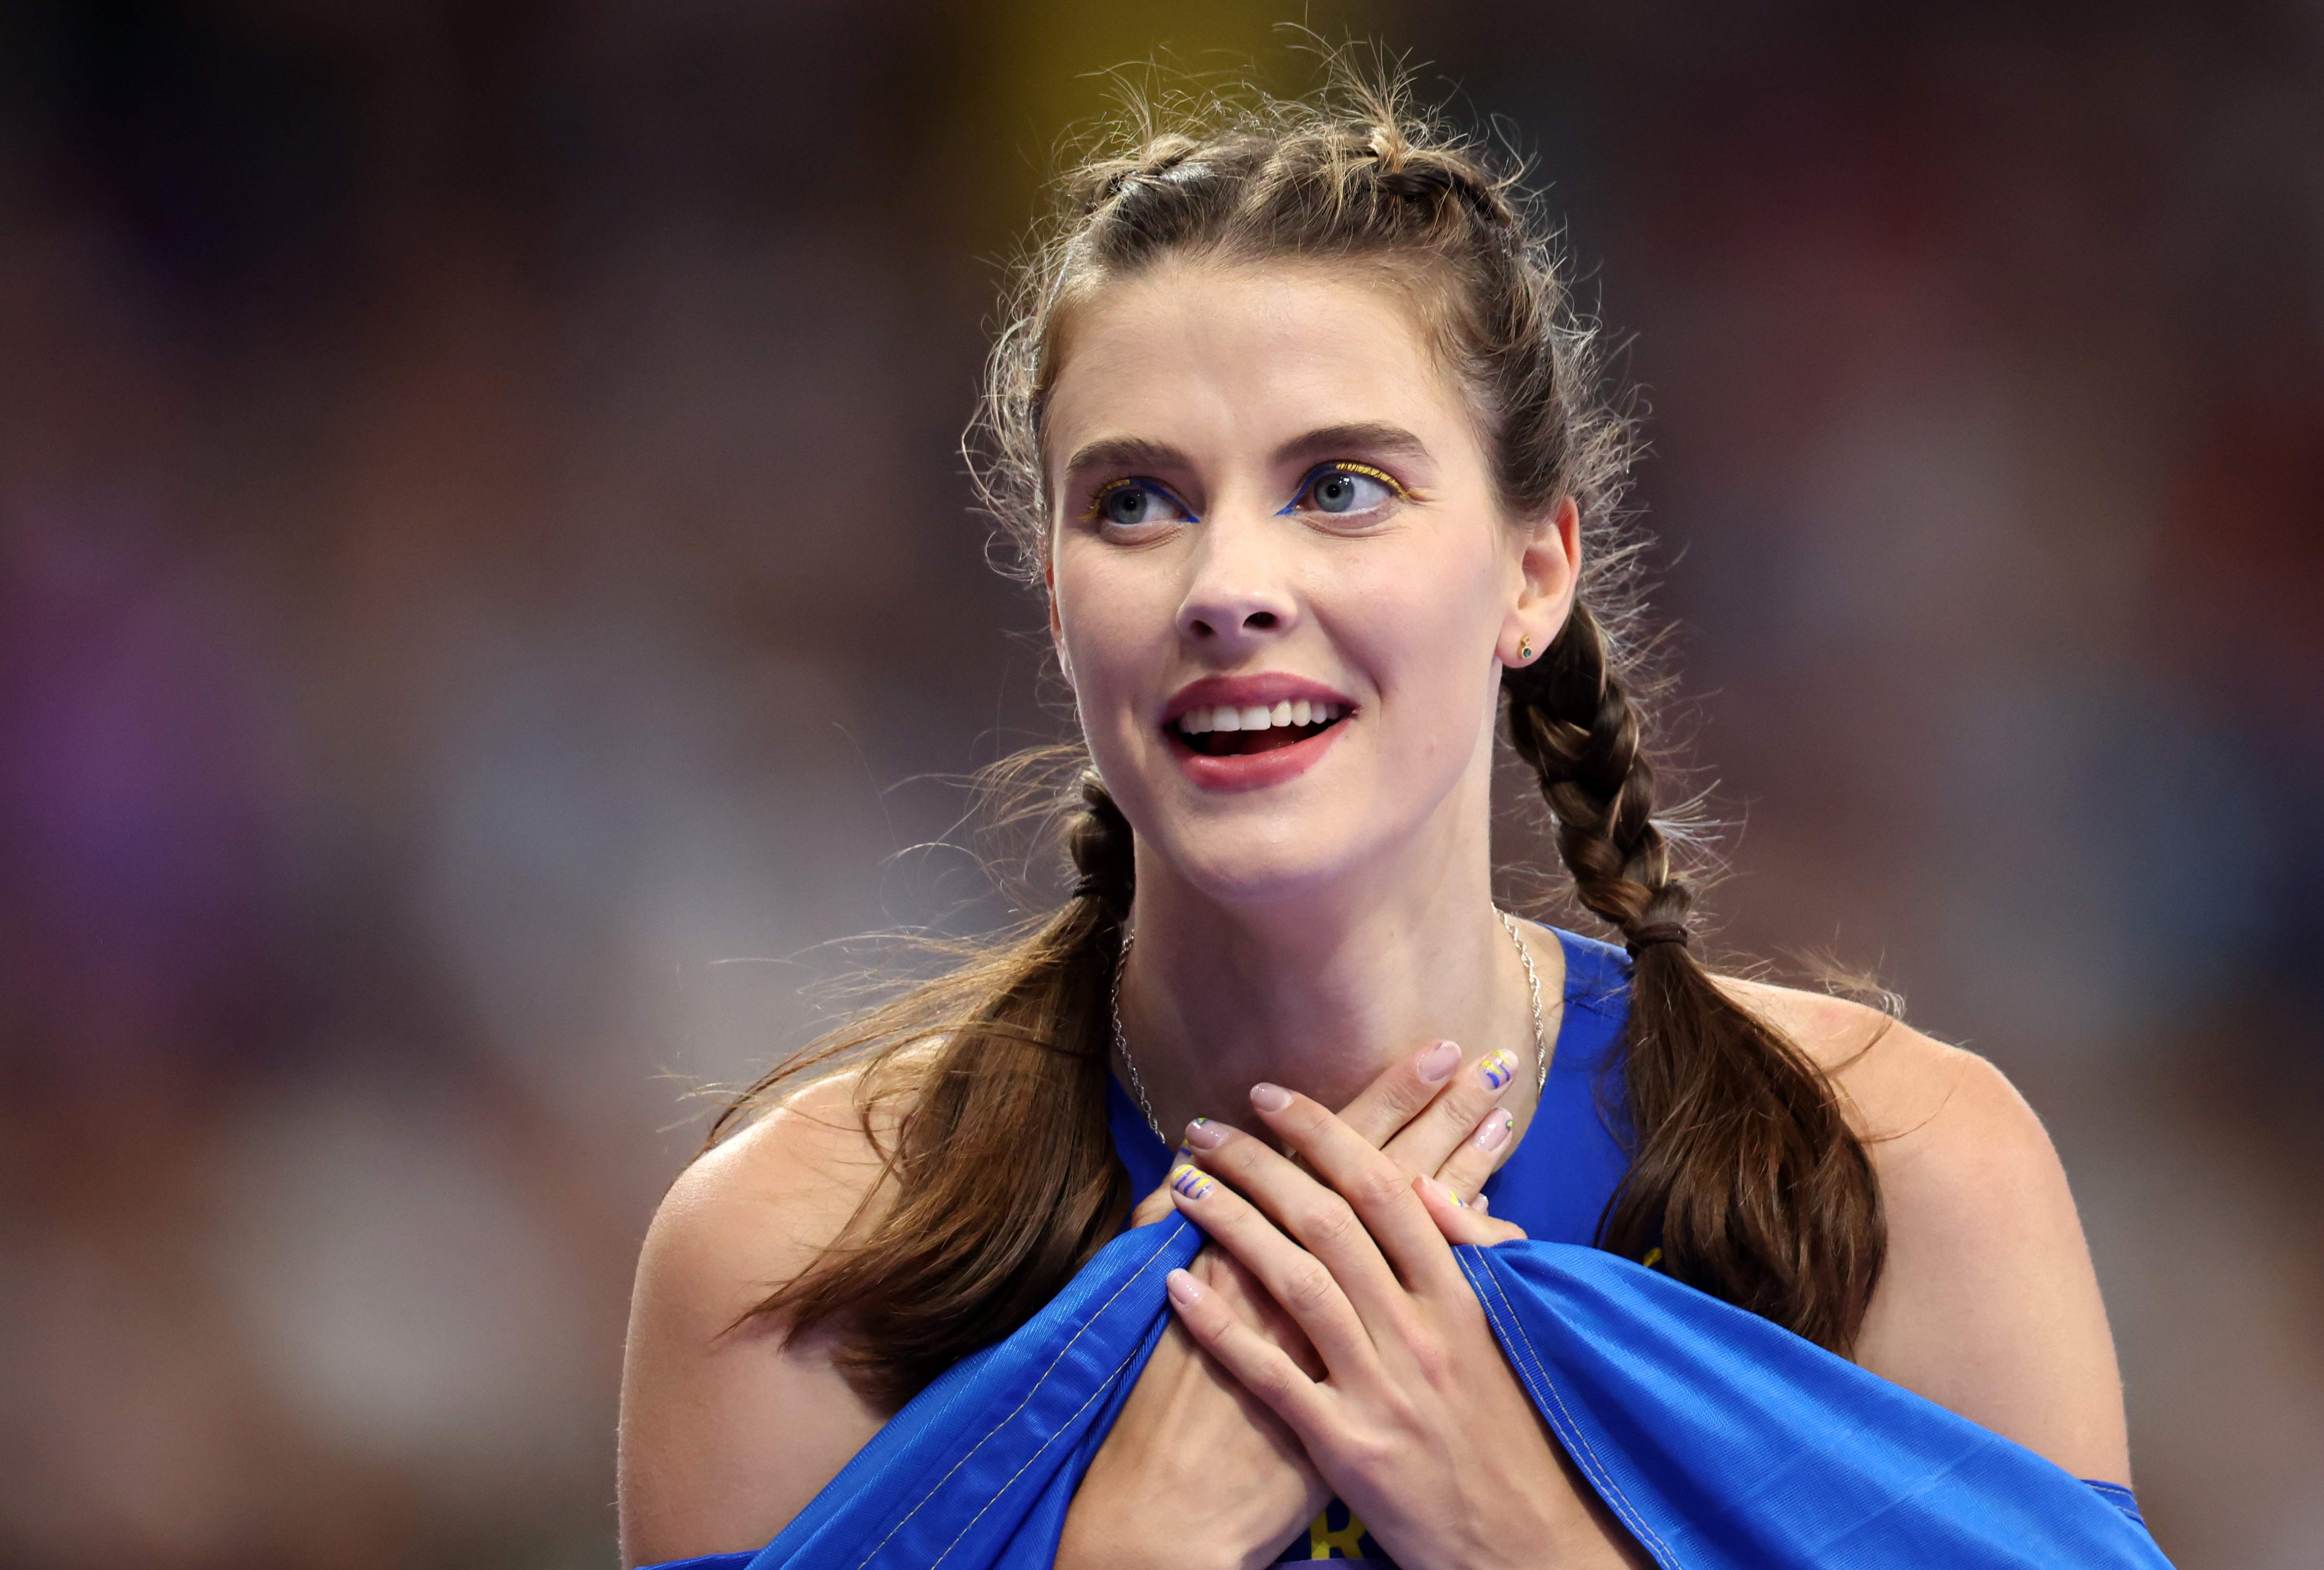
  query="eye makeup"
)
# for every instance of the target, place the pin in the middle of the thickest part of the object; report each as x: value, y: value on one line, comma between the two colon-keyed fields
x: 1396, y: 489
x: 1097, y: 511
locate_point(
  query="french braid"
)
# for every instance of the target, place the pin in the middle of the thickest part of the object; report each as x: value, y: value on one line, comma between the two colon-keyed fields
x: 1744, y: 1172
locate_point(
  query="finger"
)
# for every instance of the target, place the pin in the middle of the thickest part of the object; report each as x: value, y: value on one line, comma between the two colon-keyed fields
x: 1257, y: 1364
x: 1157, y: 1206
x: 1231, y: 1280
x: 1317, y: 1217
x: 1443, y: 1127
x: 1302, y: 1285
x: 1387, y: 1216
x: 1464, y: 1171
x: 1463, y: 1224
x: 1382, y: 1108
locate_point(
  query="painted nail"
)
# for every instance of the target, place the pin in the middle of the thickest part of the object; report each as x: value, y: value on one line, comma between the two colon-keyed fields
x: 1483, y: 1206
x: 1191, y: 1181
x: 1446, y: 1189
x: 1497, y: 1125
x: 1182, y: 1287
x: 1269, y: 1097
x: 1206, y: 1135
x: 1437, y: 1062
x: 1498, y: 1068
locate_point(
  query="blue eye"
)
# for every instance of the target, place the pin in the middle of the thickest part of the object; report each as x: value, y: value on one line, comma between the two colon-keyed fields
x: 1341, y: 488
x: 1127, y: 504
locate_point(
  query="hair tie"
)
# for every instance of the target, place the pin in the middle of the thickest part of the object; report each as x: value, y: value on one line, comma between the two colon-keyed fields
x: 1655, y: 932
x: 1092, y: 886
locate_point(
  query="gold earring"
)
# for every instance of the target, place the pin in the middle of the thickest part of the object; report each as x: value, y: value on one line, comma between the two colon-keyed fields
x: 1525, y: 648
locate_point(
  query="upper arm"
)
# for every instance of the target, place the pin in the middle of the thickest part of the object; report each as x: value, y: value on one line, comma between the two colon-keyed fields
x: 1987, y: 1304
x: 727, y: 1432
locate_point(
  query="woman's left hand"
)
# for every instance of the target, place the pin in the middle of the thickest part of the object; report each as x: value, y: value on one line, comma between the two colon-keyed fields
x: 1419, y: 1423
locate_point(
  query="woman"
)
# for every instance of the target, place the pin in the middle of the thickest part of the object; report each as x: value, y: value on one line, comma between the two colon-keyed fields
x: 1296, y: 433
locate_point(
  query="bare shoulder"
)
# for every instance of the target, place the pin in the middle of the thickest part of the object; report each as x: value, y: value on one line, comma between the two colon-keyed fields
x: 1896, y: 1082
x: 1988, y: 1303
x: 753, y: 1211
x: 726, y: 1432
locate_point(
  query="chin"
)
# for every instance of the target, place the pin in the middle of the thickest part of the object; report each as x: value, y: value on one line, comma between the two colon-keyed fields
x: 1259, y: 863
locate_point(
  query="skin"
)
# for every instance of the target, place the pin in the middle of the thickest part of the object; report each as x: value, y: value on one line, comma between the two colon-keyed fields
x: 1315, y: 935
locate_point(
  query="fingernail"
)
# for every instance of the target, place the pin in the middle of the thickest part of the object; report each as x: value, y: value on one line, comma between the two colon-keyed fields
x: 1269, y: 1097
x: 1206, y: 1135
x: 1191, y: 1181
x: 1498, y: 1068
x: 1182, y: 1287
x: 1438, y: 1061
x: 1497, y: 1125
x: 1484, y: 1204
x: 1446, y: 1189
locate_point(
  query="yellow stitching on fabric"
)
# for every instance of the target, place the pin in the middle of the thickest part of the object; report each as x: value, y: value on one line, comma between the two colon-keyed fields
x: 1597, y: 1468
x: 1021, y: 1406
x: 1045, y: 1444
x: 1539, y: 1374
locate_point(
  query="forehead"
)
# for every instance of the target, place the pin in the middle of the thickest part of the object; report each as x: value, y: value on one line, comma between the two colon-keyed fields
x: 1208, y: 354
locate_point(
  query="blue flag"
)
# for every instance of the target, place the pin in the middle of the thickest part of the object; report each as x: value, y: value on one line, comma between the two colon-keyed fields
x: 1720, y: 1440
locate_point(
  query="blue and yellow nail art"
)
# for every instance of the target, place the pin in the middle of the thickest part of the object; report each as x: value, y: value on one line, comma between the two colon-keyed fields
x: 1191, y: 1181
x: 1497, y: 1069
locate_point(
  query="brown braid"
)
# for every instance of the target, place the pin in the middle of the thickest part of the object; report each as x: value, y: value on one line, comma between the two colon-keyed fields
x: 1744, y: 1172
x: 1004, y: 1177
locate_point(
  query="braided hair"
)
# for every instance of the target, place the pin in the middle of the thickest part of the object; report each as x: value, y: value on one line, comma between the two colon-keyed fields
x: 1745, y: 1173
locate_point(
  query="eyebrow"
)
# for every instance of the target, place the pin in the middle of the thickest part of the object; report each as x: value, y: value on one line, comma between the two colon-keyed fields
x: 1127, y: 452
x: 1134, y: 452
x: 1341, y: 440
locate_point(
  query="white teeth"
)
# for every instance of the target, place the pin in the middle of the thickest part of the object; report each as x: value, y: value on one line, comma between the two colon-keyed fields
x: 1302, y: 711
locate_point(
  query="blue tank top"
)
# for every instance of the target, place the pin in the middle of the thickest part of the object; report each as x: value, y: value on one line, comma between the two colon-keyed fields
x: 1556, y: 1184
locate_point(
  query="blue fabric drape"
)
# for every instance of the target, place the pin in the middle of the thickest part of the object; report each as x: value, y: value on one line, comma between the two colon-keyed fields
x: 1721, y: 1441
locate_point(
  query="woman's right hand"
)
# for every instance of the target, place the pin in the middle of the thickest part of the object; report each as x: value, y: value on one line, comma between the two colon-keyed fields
x: 1191, y: 1447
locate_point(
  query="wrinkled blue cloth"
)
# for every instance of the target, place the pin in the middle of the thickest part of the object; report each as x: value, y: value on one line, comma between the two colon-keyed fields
x: 1720, y: 1441
x: 1716, y: 1437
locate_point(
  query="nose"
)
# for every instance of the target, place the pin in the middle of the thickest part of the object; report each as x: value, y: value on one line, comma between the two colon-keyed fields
x: 1240, y: 594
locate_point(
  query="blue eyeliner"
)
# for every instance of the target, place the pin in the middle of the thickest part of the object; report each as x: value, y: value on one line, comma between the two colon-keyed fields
x: 1090, y: 514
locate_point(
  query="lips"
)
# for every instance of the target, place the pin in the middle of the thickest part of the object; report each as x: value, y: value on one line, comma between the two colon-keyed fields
x: 1241, y: 733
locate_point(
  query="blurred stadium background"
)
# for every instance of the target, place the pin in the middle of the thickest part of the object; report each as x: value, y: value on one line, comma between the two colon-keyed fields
x: 484, y: 576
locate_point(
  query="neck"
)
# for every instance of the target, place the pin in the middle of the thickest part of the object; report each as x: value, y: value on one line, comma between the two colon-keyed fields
x: 1320, y: 993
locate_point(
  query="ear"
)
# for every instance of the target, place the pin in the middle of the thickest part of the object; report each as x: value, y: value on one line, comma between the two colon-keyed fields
x: 1057, y: 627
x: 1549, y: 567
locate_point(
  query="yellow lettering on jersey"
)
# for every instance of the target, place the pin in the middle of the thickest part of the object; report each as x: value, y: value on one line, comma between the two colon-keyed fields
x: 1321, y: 1539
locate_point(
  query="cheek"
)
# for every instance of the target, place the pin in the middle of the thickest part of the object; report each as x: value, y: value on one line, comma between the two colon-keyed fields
x: 1427, y: 628
x: 1108, y: 629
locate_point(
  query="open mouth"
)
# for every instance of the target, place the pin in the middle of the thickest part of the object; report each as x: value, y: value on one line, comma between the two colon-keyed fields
x: 1227, y: 732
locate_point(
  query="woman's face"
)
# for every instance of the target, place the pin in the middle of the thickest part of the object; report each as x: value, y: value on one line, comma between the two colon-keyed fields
x: 1279, y: 577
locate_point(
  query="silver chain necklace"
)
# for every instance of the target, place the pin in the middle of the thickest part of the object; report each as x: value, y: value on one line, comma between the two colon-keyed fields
x: 1137, y: 1084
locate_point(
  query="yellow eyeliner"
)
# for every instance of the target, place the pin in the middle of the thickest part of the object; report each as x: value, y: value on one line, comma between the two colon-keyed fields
x: 1089, y: 513
x: 1370, y: 473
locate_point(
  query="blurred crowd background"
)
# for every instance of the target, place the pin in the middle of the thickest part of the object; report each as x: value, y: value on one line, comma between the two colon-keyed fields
x: 487, y: 587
